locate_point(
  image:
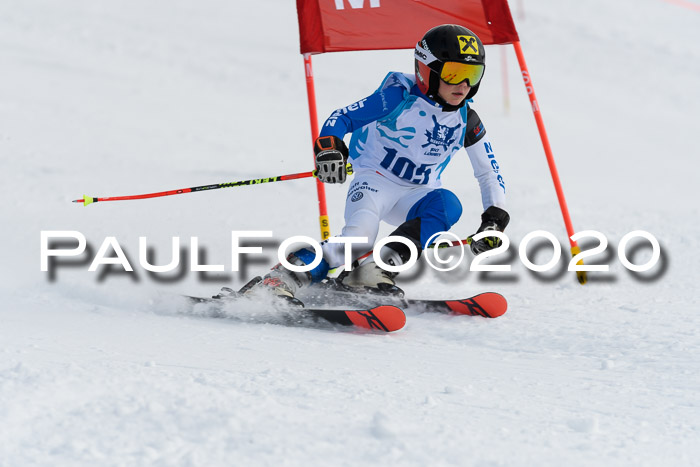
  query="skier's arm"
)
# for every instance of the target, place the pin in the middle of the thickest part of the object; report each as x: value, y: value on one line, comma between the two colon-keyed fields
x: 331, y: 152
x: 367, y: 110
x: 486, y: 168
x: 493, y: 188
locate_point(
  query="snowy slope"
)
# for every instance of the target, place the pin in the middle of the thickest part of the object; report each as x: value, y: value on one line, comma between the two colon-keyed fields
x: 109, y: 99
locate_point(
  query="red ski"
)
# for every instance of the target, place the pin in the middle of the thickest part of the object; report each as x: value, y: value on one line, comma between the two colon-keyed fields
x: 488, y: 305
x: 333, y: 292
x: 386, y: 318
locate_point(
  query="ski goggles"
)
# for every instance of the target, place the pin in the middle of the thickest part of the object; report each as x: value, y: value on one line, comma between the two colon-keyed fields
x: 455, y: 73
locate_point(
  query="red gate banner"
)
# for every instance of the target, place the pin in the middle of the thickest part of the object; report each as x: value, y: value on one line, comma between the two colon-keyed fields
x: 343, y: 25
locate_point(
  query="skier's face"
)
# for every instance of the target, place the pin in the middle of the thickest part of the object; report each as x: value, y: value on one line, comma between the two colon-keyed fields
x: 453, y: 94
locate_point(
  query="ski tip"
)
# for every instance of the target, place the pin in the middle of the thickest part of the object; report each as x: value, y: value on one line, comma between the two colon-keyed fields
x: 498, y: 305
x: 385, y: 318
x: 488, y: 305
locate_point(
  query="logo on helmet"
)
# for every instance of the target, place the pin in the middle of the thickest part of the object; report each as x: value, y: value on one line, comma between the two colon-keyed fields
x: 468, y: 45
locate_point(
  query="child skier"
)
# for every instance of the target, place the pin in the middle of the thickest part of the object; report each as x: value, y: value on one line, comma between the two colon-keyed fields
x: 403, y: 137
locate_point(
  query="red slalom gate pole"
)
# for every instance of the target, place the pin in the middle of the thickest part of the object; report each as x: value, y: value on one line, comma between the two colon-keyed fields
x: 581, y: 275
x: 313, y: 118
x: 256, y: 181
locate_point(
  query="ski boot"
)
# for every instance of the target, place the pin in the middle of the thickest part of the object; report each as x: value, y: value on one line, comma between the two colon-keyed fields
x: 280, y: 283
x: 368, y: 277
x: 227, y: 293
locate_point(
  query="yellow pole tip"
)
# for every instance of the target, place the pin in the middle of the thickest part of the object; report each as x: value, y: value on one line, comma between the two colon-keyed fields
x: 582, y: 277
x: 88, y: 200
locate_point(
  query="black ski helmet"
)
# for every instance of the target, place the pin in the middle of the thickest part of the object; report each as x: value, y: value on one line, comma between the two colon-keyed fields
x: 446, y: 43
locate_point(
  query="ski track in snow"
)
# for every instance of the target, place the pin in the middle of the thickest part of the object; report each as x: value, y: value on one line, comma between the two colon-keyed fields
x: 102, y: 369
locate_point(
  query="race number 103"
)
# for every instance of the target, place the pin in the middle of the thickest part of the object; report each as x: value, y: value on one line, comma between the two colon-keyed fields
x: 575, y: 264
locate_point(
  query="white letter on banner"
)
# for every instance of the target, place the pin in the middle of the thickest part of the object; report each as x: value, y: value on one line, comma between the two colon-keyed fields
x: 100, y: 256
x: 476, y: 262
x: 395, y: 238
x: 436, y: 249
x: 522, y: 251
x: 236, y: 249
x: 339, y: 4
x: 348, y: 251
x: 573, y: 264
x: 194, y: 259
x: 143, y: 260
x: 46, y: 252
x: 555, y: 255
x: 299, y: 239
x: 655, y: 251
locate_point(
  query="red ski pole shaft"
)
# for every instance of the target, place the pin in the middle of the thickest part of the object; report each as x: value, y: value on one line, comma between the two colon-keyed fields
x: 256, y: 181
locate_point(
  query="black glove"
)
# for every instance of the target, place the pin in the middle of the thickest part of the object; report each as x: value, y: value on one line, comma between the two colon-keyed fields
x: 492, y: 219
x: 331, y: 157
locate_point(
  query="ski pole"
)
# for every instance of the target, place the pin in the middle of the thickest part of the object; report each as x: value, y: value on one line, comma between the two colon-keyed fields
x: 256, y: 181
x: 466, y: 241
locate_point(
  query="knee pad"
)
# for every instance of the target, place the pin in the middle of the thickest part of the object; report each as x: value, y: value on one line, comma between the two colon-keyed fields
x: 439, y: 210
x: 441, y: 205
x: 453, y: 207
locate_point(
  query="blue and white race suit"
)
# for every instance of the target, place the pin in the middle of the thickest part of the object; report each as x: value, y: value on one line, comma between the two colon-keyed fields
x: 401, y: 143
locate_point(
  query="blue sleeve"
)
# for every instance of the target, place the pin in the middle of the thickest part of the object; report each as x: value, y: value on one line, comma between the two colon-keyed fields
x: 367, y: 110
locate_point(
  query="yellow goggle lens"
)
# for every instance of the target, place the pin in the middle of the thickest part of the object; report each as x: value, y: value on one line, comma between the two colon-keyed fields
x: 455, y: 73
